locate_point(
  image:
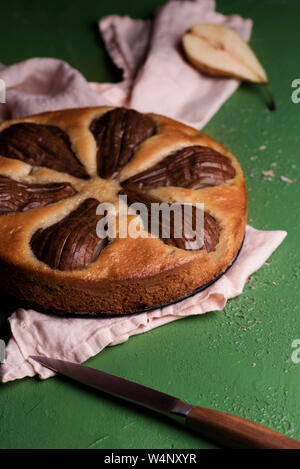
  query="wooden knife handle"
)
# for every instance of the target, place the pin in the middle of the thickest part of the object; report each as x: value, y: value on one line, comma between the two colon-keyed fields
x: 236, y: 432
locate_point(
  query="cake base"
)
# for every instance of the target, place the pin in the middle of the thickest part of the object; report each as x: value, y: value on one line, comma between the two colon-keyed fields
x: 102, y: 315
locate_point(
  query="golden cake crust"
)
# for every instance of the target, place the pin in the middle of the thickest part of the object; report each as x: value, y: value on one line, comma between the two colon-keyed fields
x: 129, y: 274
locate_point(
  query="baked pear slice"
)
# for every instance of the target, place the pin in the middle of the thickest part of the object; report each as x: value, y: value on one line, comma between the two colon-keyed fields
x: 220, y: 51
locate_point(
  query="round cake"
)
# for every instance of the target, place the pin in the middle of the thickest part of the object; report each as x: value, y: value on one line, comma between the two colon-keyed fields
x: 58, y: 168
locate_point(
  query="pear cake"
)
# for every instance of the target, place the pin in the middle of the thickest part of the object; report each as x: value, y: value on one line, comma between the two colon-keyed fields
x: 55, y: 170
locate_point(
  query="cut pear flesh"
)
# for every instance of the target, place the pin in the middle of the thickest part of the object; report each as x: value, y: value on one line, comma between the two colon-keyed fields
x: 220, y: 51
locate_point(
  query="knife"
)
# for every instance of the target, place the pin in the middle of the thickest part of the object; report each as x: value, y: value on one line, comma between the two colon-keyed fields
x: 227, y: 429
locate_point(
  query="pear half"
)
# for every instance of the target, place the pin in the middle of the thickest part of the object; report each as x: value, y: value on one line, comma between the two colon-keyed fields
x: 220, y: 51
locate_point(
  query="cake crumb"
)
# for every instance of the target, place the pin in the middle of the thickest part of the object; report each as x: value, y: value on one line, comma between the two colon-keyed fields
x: 285, y: 179
x: 270, y: 172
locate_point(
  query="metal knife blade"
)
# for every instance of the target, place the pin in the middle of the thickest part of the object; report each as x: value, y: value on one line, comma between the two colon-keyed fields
x: 117, y: 386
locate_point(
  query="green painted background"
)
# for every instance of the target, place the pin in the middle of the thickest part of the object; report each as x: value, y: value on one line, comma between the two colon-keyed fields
x: 237, y: 360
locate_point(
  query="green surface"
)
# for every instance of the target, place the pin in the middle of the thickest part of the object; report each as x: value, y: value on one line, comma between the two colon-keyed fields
x: 237, y: 360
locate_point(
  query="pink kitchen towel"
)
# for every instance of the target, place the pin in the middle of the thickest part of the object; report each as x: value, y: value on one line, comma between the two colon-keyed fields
x: 156, y: 78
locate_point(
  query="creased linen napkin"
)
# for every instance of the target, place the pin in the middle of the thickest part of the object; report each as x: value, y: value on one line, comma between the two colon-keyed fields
x: 156, y: 78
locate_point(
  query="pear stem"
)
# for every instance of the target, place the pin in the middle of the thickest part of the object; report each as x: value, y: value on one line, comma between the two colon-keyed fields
x: 272, y: 105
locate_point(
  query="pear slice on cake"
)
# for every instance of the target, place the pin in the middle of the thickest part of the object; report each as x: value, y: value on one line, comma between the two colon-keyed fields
x: 220, y: 51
